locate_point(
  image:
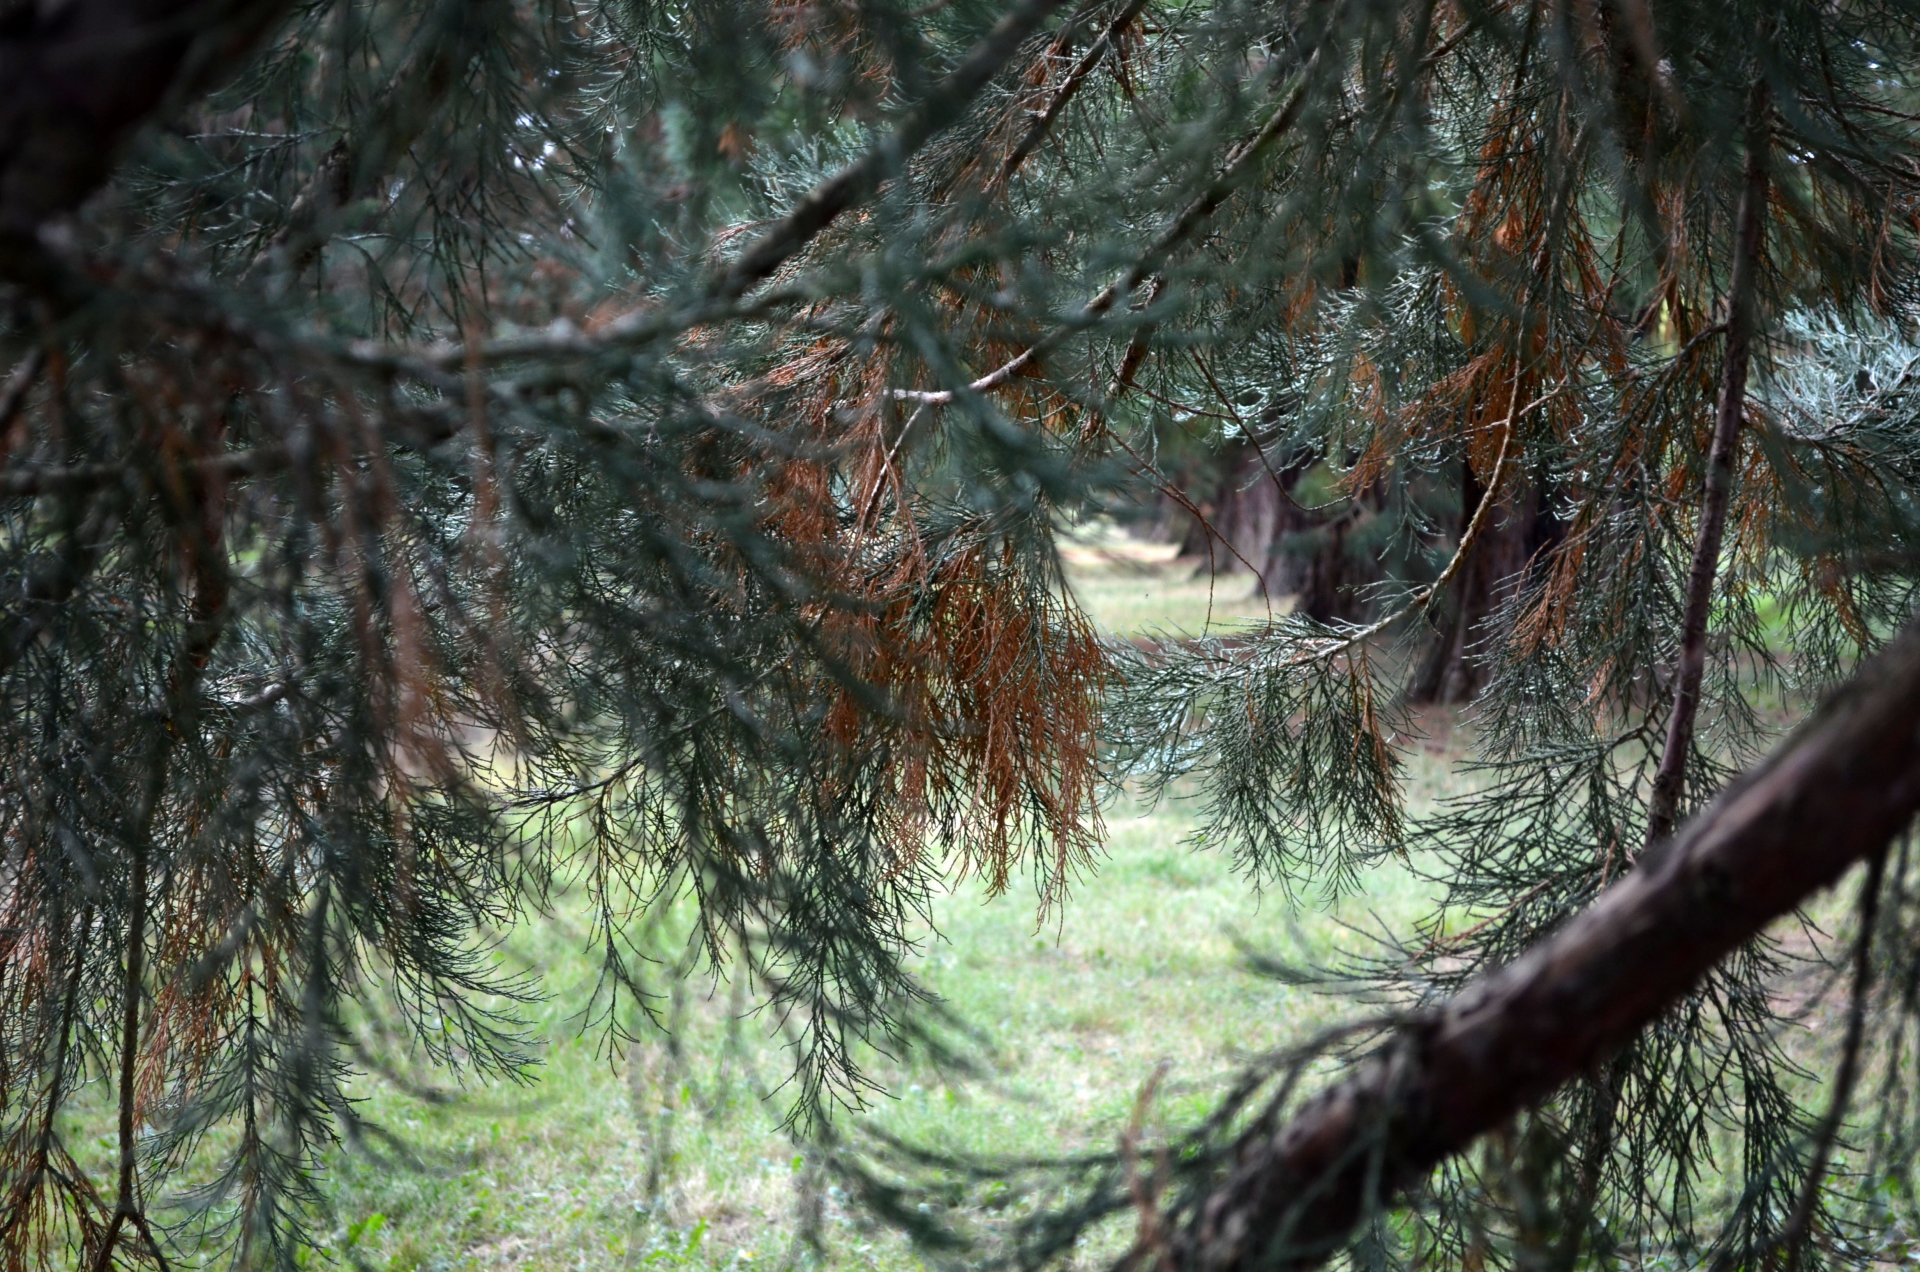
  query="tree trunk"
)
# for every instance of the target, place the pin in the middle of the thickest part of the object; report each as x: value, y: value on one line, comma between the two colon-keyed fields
x: 1240, y: 503
x: 1522, y: 525
x: 1249, y: 506
x: 1835, y: 793
x: 1312, y: 558
x: 1255, y: 524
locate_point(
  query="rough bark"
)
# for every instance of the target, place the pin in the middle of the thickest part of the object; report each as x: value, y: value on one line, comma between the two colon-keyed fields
x: 1836, y: 792
x: 1250, y: 510
x: 1310, y: 560
x: 1192, y: 545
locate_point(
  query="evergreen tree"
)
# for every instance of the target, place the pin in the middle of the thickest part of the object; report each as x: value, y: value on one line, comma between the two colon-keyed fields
x: 460, y: 449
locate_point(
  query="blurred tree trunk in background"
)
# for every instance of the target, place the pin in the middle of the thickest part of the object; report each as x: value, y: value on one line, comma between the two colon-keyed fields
x: 1523, y: 528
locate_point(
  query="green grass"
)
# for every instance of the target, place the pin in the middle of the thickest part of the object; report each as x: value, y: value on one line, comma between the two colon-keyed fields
x: 673, y: 1157
x: 670, y: 1155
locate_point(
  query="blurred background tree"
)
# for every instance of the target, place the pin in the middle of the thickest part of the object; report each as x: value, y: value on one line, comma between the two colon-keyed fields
x: 459, y: 450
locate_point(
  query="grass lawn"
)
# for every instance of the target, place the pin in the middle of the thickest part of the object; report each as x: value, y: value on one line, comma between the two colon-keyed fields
x: 673, y: 1155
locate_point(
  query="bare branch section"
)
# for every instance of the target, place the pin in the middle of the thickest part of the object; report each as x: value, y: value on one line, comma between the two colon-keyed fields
x: 80, y: 78
x: 1843, y: 785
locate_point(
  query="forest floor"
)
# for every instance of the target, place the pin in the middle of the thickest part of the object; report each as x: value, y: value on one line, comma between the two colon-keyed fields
x: 669, y: 1152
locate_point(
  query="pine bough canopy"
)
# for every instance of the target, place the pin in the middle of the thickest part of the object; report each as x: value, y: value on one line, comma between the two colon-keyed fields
x: 460, y: 450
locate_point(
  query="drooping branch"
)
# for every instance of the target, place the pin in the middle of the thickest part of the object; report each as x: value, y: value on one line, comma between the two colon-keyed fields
x: 359, y: 162
x: 205, y: 560
x: 1742, y: 317
x: 733, y: 292
x: 1108, y: 40
x: 1844, y: 784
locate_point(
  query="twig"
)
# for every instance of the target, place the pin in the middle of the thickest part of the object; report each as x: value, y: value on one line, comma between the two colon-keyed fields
x: 1424, y: 596
x: 20, y: 482
x: 1793, y: 1237
x: 726, y: 294
x: 1742, y: 318
x: 819, y: 206
x: 1182, y: 227
x: 19, y: 384
x: 1151, y: 1235
x: 1037, y: 131
x: 204, y: 552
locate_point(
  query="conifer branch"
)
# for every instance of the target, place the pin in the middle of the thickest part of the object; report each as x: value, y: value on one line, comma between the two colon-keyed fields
x: 1070, y: 87
x: 1297, y: 1189
x: 356, y: 164
x: 727, y: 294
x: 1190, y: 220
x: 941, y: 108
x: 202, y: 549
x: 30, y: 1174
x: 16, y: 483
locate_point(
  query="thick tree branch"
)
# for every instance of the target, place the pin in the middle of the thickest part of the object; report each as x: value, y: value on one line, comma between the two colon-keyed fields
x: 1844, y: 784
x: 78, y: 79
